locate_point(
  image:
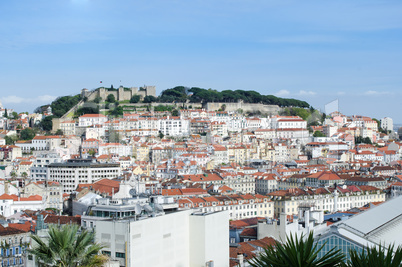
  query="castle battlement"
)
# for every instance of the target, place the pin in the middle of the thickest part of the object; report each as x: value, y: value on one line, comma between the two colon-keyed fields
x: 121, y: 94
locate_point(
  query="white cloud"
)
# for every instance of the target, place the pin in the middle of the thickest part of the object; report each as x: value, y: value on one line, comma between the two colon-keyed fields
x: 46, y: 98
x: 282, y: 93
x: 341, y: 93
x: 375, y: 93
x: 13, y: 99
x: 310, y: 93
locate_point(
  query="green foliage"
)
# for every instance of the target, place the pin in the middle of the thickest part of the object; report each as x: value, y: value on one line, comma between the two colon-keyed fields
x: 373, y: 257
x: 15, y: 115
x: 318, y: 134
x: 360, y: 140
x: 47, y: 123
x: 301, y: 112
x: 324, y: 116
x: 59, y: 132
x: 175, y: 112
x: 61, y: 105
x: 114, y: 136
x: 27, y: 134
x: 92, y: 152
x: 67, y: 247
x: 210, y: 95
x: 161, y: 135
x: 87, y: 110
x: 10, y: 139
x: 149, y: 99
x: 163, y: 108
x: 297, y: 252
x: 110, y: 98
x: 118, y: 111
x: 381, y: 130
x: 98, y: 99
x: 178, y: 93
x: 135, y: 99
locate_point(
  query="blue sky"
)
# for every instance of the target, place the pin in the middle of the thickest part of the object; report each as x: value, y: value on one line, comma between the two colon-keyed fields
x: 316, y: 51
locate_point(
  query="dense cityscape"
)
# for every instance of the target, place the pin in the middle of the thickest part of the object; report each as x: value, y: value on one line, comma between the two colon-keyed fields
x: 206, y: 133
x: 195, y: 183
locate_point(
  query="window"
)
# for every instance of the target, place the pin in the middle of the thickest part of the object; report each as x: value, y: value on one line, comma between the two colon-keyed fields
x: 120, y: 255
x: 105, y: 252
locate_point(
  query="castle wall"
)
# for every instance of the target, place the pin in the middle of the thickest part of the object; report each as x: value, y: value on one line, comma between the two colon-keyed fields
x: 121, y: 94
x: 246, y: 107
x: 150, y: 90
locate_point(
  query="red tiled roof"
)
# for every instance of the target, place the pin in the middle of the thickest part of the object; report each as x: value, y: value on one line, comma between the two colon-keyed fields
x: 56, y: 219
x: 17, y: 198
x: 26, y: 226
x: 4, y: 231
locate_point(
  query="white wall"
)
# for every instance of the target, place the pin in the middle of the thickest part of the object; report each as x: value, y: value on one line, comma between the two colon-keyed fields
x: 175, y: 239
x: 209, y: 239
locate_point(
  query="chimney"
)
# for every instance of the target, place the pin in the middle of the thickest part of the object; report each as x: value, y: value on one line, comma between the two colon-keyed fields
x: 240, y: 258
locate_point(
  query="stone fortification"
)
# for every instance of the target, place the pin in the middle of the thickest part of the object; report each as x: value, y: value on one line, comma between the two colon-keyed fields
x: 121, y: 94
x: 246, y: 107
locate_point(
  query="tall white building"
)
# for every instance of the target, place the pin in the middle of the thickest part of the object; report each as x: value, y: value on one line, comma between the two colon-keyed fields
x: 39, y: 170
x: 81, y: 171
x: 387, y: 124
x: 174, y: 126
x: 91, y: 119
x: 183, y: 238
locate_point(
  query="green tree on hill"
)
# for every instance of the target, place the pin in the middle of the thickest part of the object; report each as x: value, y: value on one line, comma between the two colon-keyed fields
x: 118, y: 111
x: 27, y: 134
x: 175, y: 112
x: 10, y: 139
x: 149, y: 99
x: 110, y: 98
x: 46, y: 123
x: 318, y: 134
x: 135, y: 99
x: 98, y: 99
x: 61, y: 105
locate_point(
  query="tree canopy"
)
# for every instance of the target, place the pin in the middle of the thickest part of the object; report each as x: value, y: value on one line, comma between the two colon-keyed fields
x: 67, y: 247
x: 27, y: 134
x: 110, y: 98
x: 63, y: 104
x: 135, y: 99
x: 46, y: 123
x: 318, y: 134
x: 297, y: 252
x: 149, y: 99
x: 196, y: 94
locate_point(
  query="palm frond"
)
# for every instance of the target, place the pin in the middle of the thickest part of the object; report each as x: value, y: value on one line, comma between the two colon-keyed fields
x: 297, y: 252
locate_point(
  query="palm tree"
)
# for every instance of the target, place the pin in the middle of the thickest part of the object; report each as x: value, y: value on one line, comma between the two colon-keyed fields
x: 297, y: 252
x: 66, y: 247
x: 373, y: 257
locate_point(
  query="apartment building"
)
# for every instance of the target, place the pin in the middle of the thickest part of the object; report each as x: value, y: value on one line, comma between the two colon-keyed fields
x: 81, y: 171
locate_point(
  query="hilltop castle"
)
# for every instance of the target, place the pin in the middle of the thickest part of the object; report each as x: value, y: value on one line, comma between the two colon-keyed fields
x: 122, y: 93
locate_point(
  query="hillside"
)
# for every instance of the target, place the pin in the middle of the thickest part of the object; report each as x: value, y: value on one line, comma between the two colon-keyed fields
x: 169, y: 99
x: 197, y: 95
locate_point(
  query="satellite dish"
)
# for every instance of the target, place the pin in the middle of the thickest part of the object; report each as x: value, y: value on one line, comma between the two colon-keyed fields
x: 132, y: 192
x: 138, y: 209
